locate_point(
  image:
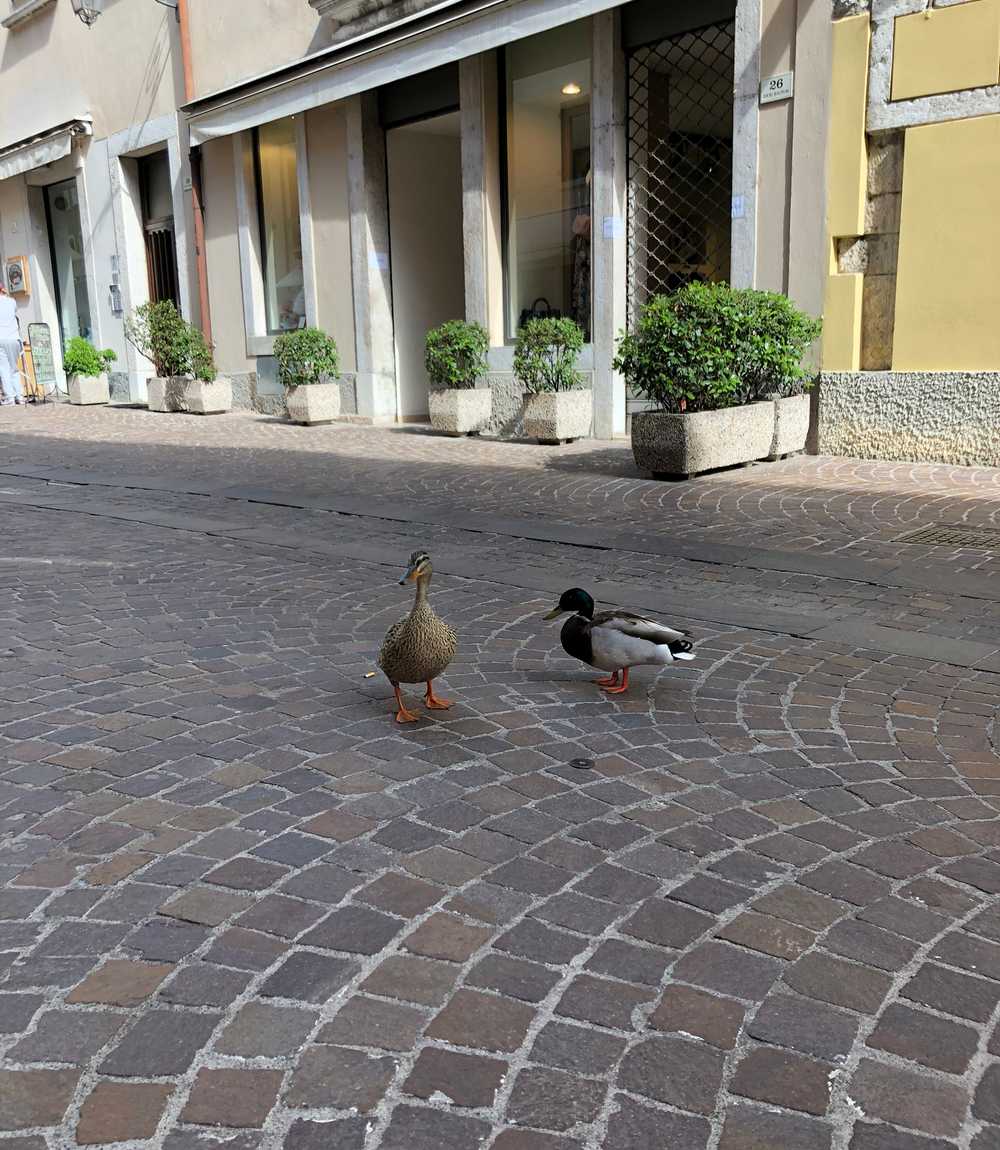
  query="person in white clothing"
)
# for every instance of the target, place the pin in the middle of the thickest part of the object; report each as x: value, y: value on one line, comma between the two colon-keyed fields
x: 10, y: 350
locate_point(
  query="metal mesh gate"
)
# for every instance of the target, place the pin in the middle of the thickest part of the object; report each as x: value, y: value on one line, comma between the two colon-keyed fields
x: 680, y: 161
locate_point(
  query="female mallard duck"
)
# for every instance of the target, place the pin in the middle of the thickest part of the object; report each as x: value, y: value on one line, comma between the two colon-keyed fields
x: 418, y: 648
x: 616, y: 640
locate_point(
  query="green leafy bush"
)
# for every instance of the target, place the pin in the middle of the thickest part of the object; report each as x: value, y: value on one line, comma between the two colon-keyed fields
x: 305, y: 356
x: 82, y: 358
x: 455, y: 354
x: 710, y: 346
x: 545, y: 354
x: 202, y: 361
x: 157, y: 331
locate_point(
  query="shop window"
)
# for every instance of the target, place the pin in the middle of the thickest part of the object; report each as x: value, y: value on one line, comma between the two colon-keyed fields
x: 547, y: 218
x: 62, y: 210
x: 276, y: 174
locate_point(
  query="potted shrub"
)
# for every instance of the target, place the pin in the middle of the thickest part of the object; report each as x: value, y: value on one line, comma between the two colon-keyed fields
x: 157, y: 331
x: 307, y: 368
x: 455, y: 359
x: 87, y: 372
x: 206, y: 394
x: 723, y: 367
x: 558, y: 408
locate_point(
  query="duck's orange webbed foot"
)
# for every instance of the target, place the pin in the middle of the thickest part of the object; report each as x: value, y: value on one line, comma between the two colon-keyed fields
x: 433, y: 702
x: 618, y: 690
x: 610, y: 681
x: 403, y: 715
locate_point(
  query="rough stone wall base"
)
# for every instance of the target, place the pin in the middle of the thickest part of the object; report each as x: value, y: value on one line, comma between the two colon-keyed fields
x: 923, y: 417
x: 248, y: 396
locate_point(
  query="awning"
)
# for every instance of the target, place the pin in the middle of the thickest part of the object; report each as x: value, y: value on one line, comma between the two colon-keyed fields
x: 440, y: 35
x: 41, y: 149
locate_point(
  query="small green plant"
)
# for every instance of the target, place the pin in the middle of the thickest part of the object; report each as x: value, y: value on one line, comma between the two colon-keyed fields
x: 305, y: 356
x: 545, y: 354
x: 455, y: 354
x: 710, y: 346
x: 82, y: 358
x: 202, y: 361
x: 157, y: 331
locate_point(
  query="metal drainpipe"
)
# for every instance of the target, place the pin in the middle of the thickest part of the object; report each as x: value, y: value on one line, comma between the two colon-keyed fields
x: 196, y: 184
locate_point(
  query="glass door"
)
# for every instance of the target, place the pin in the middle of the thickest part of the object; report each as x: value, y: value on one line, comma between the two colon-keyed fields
x: 62, y: 210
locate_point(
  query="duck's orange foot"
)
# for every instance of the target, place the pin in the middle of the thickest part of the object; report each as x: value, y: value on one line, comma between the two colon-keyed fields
x: 610, y: 681
x: 618, y: 690
x: 433, y: 702
x: 402, y: 715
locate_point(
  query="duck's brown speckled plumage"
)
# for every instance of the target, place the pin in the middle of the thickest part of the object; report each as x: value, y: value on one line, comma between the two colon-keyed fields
x: 418, y: 648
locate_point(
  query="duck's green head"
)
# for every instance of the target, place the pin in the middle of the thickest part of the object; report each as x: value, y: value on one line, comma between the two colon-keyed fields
x: 419, y: 568
x: 576, y: 601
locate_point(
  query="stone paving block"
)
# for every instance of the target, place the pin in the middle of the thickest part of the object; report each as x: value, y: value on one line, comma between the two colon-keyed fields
x: 516, y: 978
x: 262, y: 1030
x: 162, y: 1042
x: 576, y: 1048
x: 121, y: 1111
x: 417, y: 980
x: 205, y: 985
x: 769, y: 935
x: 747, y: 1128
x: 17, y: 1010
x: 206, y: 907
x: 805, y: 1025
x: 907, y: 1098
x: 986, y: 1103
x: 602, y: 1001
x: 423, y: 1129
x: 874, y: 1136
x: 674, y: 1070
x: 952, y: 992
x: 309, y: 977
x: 483, y: 1022
x: 688, y: 1011
x: 365, y: 1021
x: 728, y: 970
x: 245, y: 949
x: 120, y: 983
x: 232, y: 1097
x: 31, y: 1098
x: 282, y: 916
x: 464, y: 1079
x: 400, y: 894
x: 333, y: 1076
x: 70, y: 1036
x: 553, y: 1100
x: 341, y: 1134
x: 667, y: 923
x: 780, y: 1078
x: 841, y: 983
x: 356, y: 929
x: 924, y: 1038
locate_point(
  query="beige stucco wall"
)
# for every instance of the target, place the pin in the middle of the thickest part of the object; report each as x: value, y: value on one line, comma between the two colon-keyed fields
x: 774, y: 183
x: 256, y: 36
x: 326, y: 134
x: 223, y: 256
x: 124, y: 71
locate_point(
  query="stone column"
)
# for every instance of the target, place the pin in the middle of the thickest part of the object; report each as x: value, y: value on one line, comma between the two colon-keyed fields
x: 369, y: 209
x: 481, y: 193
x: 608, y: 190
x: 746, y: 110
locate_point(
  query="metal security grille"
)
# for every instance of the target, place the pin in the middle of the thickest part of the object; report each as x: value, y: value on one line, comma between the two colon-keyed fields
x: 979, y: 538
x: 680, y: 161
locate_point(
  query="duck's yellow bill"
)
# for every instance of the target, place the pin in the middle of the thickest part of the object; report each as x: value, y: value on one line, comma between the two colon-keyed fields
x: 554, y: 613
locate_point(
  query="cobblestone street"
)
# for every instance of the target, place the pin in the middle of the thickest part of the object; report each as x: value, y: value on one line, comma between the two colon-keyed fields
x: 750, y: 905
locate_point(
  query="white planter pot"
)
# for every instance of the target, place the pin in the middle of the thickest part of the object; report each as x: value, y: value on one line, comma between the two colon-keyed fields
x: 791, y: 425
x: 166, y: 393
x: 87, y: 389
x: 201, y: 398
x: 313, y: 403
x: 558, y: 416
x: 460, y: 411
x: 670, y: 444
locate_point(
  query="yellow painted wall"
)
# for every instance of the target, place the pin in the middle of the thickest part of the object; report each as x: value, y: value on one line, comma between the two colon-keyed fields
x: 948, y: 285
x: 842, y: 323
x: 946, y: 50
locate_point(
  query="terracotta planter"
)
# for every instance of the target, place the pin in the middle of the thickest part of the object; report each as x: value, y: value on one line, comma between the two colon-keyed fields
x: 313, y: 402
x: 201, y: 398
x: 558, y: 416
x: 668, y: 444
x: 89, y: 389
x: 166, y: 394
x: 791, y: 425
x: 460, y: 411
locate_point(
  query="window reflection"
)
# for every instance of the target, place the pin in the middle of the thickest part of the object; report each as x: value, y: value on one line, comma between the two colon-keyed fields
x: 547, y: 179
x: 276, y: 170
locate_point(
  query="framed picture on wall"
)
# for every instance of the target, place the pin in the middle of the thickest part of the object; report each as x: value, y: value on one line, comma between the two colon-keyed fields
x: 18, y: 282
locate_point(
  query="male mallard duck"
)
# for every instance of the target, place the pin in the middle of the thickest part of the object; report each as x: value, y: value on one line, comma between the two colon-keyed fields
x: 418, y: 648
x: 616, y: 640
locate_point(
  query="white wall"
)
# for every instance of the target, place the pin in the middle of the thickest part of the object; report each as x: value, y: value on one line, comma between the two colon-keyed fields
x: 426, y: 246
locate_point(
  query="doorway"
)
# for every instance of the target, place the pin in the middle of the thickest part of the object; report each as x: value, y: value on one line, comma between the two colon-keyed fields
x: 62, y: 214
x: 426, y: 245
x: 158, y: 226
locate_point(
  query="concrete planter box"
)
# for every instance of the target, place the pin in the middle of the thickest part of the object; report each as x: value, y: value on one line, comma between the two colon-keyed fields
x: 88, y: 389
x: 669, y: 444
x: 558, y: 416
x: 460, y: 411
x: 791, y: 425
x: 201, y: 398
x: 166, y: 393
x: 313, y: 402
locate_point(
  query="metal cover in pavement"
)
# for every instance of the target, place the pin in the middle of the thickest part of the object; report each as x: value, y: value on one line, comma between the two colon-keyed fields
x: 954, y: 535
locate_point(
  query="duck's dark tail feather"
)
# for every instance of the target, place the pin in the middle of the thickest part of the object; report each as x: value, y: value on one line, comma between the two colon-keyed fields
x: 681, y: 649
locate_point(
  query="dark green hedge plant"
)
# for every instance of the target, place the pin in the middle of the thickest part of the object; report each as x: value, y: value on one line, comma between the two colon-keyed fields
x: 202, y: 361
x: 305, y: 356
x: 709, y: 346
x: 546, y: 353
x: 455, y: 354
x: 82, y: 358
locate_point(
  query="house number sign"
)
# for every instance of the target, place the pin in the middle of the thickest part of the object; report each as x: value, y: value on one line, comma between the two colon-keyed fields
x: 776, y: 88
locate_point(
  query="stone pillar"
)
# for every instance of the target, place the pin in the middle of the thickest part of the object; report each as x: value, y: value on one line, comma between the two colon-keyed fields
x: 369, y: 209
x: 481, y: 193
x: 608, y: 190
x: 746, y: 109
